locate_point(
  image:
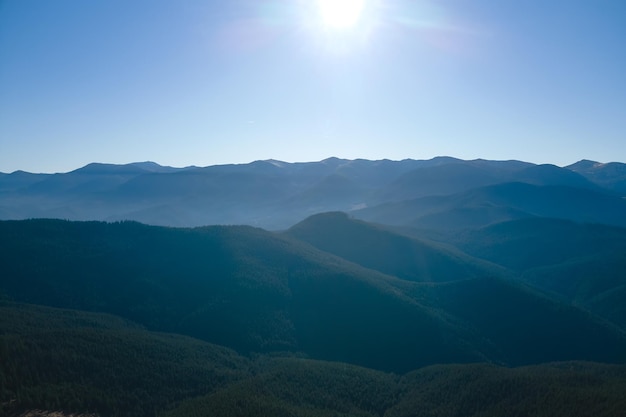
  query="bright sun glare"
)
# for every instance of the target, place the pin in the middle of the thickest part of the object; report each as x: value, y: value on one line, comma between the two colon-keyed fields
x: 340, y: 14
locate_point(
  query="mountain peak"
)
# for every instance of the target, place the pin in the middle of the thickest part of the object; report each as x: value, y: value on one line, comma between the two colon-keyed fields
x: 147, y: 165
x: 103, y: 168
x: 117, y: 169
x: 333, y: 160
x: 584, y: 165
x: 277, y: 163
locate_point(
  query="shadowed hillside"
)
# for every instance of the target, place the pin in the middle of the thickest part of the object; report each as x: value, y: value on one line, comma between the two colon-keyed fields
x: 237, y: 286
x: 387, y: 252
x: 370, y: 300
x: 567, y: 389
x: 582, y: 263
x: 82, y: 362
x: 498, y: 203
x: 71, y: 360
x: 256, y: 291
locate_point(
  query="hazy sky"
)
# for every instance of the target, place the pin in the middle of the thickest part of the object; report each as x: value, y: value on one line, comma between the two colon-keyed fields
x: 200, y: 82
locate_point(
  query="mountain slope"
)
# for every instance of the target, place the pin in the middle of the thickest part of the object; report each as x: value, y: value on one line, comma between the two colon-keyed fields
x: 236, y: 286
x: 535, y: 242
x: 305, y: 388
x: 582, y: 263
x: 565, y: 389
x: 611, y: 176
x: 521, y: 326
x: 255, y: 291
x: 595, y: 282
x: 547, y: 174
x: 78, y: 362
x: 502, y: 202
x: 387, y: 252
x: 19, y: 180
x: 438, y: 179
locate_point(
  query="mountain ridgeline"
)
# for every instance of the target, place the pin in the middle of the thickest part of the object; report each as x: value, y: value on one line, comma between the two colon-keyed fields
x: 388, y: 288
x: 442, y: 192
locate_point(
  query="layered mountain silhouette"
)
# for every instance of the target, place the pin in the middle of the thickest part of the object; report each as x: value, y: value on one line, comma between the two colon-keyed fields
x: 502, y: 202
x: 375, y: 288
x: 275, y: 195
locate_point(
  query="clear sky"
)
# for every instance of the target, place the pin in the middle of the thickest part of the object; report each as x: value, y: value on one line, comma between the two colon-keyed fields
x: 203, y: 82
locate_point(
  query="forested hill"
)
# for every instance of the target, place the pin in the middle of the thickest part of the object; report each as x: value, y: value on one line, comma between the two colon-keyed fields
x: 125, y: 319
x: 79, y: 362
x: 377, y: 248
x: 256, y: 291
x: 582, y: 263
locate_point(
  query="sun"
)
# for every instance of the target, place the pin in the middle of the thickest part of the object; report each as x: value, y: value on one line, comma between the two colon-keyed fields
x: 340, y: 14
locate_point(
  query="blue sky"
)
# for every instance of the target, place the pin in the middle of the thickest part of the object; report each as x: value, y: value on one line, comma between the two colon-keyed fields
x: 208, y: 82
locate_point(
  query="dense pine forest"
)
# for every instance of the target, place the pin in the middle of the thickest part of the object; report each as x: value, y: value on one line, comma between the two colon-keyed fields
x: 59, y: 359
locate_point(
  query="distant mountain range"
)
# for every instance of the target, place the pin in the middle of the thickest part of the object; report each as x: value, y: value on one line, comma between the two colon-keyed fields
x: 443, y: 192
